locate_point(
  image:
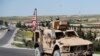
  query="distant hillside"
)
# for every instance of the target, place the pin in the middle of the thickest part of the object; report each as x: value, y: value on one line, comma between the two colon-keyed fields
x: 43, y: 18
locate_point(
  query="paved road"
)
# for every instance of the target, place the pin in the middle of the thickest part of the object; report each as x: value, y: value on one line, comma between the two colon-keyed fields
x: 15, y: 52
x: 6, y: 37
x: 12, y: 51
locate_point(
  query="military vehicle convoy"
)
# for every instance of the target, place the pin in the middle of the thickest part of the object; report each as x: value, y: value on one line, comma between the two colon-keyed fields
x: 59, y: 40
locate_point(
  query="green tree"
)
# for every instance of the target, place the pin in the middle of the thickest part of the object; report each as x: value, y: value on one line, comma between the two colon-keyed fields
x: 95, y: 35
x: 18, y: 25
x: 6, y: 23
x: 51, y: 18
x: 90, y: 36
x: 57, y: 18
x: 1, y: 22
x: 68, y: 24
x: 23, y: 26
x: 96, y: 45
x: 80, y: 32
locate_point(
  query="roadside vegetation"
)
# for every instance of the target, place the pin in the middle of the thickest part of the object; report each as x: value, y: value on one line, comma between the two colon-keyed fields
x: 23, y: 37
x: 89, y: 35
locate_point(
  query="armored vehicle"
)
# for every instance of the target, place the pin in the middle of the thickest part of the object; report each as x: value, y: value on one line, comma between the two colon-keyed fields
x: 59, y: 40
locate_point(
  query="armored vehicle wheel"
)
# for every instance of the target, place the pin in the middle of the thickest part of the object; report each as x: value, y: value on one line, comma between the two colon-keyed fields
x: 56, y: 53
x: 37, y: 52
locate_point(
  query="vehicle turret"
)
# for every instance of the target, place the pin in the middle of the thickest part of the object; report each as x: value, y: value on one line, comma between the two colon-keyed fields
x: 59, y: 25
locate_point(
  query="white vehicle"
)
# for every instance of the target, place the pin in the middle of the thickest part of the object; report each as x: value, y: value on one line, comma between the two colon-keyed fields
x: 10, y: 28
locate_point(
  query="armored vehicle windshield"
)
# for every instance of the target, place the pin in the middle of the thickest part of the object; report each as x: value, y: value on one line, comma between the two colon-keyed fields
x: 70, y: 33
x: 59, y: 35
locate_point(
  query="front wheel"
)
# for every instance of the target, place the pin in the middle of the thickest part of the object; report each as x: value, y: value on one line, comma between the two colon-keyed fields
x: 56, y: 53
x: 37, y: 52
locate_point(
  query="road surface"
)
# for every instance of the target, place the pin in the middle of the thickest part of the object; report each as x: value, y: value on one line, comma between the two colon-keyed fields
x: 11, y: 51
x: 6, y: 37
x: 15, y: 52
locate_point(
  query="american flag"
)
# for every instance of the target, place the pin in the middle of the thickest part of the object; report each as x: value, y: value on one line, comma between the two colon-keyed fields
x: 34, y: 20
x: 33, y: 23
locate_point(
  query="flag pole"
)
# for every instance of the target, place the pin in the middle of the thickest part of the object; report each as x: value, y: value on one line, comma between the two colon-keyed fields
x: 35, y: 14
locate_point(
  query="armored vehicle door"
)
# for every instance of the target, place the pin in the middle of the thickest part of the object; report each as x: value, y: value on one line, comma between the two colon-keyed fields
x: 37, y: 37
x: 47, y: 40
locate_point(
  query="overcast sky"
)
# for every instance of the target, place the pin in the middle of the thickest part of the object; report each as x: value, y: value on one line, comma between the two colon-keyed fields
x: 49, y: 7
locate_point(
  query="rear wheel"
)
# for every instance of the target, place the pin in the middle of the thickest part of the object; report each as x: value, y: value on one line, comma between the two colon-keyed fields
x: 56, y: 53
x: 89, y: 53
x: 37, y: 52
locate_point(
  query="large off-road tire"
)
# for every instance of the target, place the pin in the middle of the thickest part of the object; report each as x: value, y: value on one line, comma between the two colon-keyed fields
x: 89, y: 53
x: 56, y: 53
x: 37, y: 52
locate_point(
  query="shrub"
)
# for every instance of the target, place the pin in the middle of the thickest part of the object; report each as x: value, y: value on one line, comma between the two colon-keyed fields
x: 96, y: 45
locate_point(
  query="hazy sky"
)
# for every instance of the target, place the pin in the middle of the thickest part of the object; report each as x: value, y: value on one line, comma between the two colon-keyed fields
x: 49, y: 7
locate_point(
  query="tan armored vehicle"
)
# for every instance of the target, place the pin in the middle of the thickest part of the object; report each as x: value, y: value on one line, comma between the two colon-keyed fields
x: 59, y: 41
